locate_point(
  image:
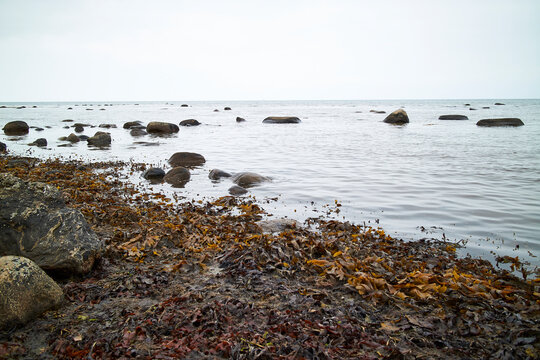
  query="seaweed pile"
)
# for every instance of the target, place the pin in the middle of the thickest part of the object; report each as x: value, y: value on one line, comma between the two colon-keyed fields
x: 187, y: 279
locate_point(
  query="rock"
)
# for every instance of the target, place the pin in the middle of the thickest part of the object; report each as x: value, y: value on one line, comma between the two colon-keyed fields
x: 35, y: 223
x: 281, y: 120
x: 83, y: 137
x: 216, y: 110
x: 18, y: 163
x: 21, y: 107
x: 27, y: 291
x: 153, y: 174
x: 16, y: 128
x: 70, y: 108
x: 137, y: 132
x: 467, y: 104
x: 500, y: 122
x: 100, y: 139
x: 157, y: 127
x: 498, y: 103
x: 177, y: 176
x: 398, y: 117
x: 248, y: 179
x: 239, y: 119
x: 79, y: 129
x: 216, y: 174
x: 472, y: 109
x: 184, y: 105
x: 485, y: 107
x: 3, y: 147
x: 38, y: 129
x: 226, y: 108
x: 131, y: 124
x: 453, y: 117
x: 237, y: 190
x: 186, y: 159
x: 189, y: 122
x: 41, y: 142
x: 277, y: 225
x: 107, y: 126
x: 72, y: 138
x: 67, y: 120
x: 377, y: 111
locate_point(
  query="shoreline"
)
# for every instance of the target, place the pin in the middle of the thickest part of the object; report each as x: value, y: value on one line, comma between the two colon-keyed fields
x: 204, y: 280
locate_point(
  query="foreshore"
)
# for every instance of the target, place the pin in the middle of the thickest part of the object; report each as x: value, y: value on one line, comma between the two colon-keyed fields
x: 205, y: 280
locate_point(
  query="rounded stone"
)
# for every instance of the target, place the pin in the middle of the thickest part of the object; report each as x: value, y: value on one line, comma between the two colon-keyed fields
x: 500, y: 122
x: 281, y: 120
x: 216, y: 174
x: 453, y: 117
x: 398, y: 117
x: 189, y: 122
x: 153, y: 174
x: 16, y: 128
x: 157, y: 127
x: 237, y: 190
x: 178, y: 176
x: 186, y: 159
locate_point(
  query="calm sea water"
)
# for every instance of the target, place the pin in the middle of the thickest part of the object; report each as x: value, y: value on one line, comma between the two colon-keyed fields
x: 454, y: 179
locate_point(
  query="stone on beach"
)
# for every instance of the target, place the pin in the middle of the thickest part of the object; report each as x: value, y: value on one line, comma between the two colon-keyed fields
x: 137, y: 132
x: 26, y: 291
x: 239, y: 119
x: 186, y: 159
x: 131, y: 124
x: 189, y: 122
x: 72, y: 138
x: 16, y: 128
x: 79, y: 128
x: 107, y: 126
x: 177, y: 176
x: 35, y: 223
x: 100, y: 139
x: 281, y: 120
x: 237, y: 190
x: 216, y: 174
x: 153, y: 174
x: 41, y: 142
x: 157, y: 127
x: 500, y: 122
x: 248, y: 179
x: 277, y: 225
x: 398, y: 117
x: 453, y: 117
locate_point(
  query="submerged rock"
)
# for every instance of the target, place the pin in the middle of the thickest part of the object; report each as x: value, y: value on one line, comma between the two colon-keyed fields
x: 248, y: 179
x: 178, y: 176
x: 239, y: 119
x: 186, y: 159
x: 189, y: 122
x: 500, y: 122
x: 377, y: 111
x: 498, y: 103
x: 237, y: 190
x: 100, y: 139
x: 216, y: 174
x: 398, y: 117
x: 35, y: 223
x: 453, y: 117
x: 157, y: 127
x: 16, y: 128
x: 137, y: 132
x: 281, y: 120
x: 26, y: 291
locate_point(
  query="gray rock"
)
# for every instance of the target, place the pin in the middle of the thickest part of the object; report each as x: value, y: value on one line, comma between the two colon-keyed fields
x: 277, y: 225
x: 186, y: 159
x: 79, y: 129
x: 189, y: 122
x: 157, y: 127
x: 398, y: 117
x: 216, y: 174
x: 107, y: 126
x: 500, y: 122
x: 239, y: 119
x: 27, y: 291
x: 248, y: 179
x: 18, y: 163
x: 281, y: 120
x: 41, y: 142
x: 67, y: 120
x: 100, y: 139
x: 35, y: 223
x: 16, y: 128
x: 453, y: 117
x: 131, y: 124
x: 72, y: 138
x: 3, y: 147
x: 498, y: 103
x: 83, y: 137
x: 377, y: 111
x: 485, y: 107
x: 137, y: 132
x: 153, y: 174
x: 237, y: 190
x: 177, y: 176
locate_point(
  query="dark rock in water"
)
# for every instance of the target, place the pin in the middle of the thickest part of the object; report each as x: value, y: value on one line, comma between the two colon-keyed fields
x: 184, y: 105
x: 16, y: 128
x: 500, y: 122
x: 21, y: 107
x: 35, y: 223
x: 189, y: 122
x: 41, y: 142
x: 137, y: 132
x: 67, y: 120
x: 27, y: 291
x: 398, y: 117
x: 107, y: 126
x: 79, y: 129
x: 485, y: 107
x: 186, y: 159
x: 216, y: 174
x: 65, y: 127
x: 467, y: 104
x: 277, y: 225
x: 83, y: 137
x: 153, y: 174
x: 3, y: 147
x: 102, y: 109
x: 157, y: 127
x: 100, y: 139
x: 216, y: 110
x: 70, y: 108
x: 472, y: 109
x: 498, y: 103
x: 239, y: 119
x: 226, y: 108
x: 72, y: 138
x: 131, y: 124
x: 177, y: 176
x: 38, y: 129
x: 281, y: 120
x: 17, y: 163
x: 237, y: 190
x: 248, y: 179
x: 453, y: 117
x: 377, y: 111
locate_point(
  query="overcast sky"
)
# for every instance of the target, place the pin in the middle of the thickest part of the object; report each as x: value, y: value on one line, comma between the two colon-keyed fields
x: 264, y: 50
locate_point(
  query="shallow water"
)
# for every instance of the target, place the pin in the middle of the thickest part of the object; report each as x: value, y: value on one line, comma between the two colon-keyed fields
x: 453, y: 178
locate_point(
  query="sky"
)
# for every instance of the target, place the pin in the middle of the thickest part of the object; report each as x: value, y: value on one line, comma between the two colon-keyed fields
x: 122, y: 50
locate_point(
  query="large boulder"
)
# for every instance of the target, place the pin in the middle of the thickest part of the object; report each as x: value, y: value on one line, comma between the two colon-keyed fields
x: 178, y: 176
x: 453, y: 117
x: 216, y: 174
x: 189, y: 122
x: 398, y: 117
x: 248, y: 179
x: 157, y: 127
x: 100, y: 139
x: 35, y: 223
x: 26, y: 291
x: 281, y: 120
x: 16, y: 128
x: 186, y: 159
x: 500, y: 122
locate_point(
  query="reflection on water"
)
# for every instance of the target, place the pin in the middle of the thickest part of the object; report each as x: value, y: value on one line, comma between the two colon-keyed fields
x: 480, y: 184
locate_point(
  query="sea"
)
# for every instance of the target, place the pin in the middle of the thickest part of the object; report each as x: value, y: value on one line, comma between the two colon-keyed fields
x: 429, y: 179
